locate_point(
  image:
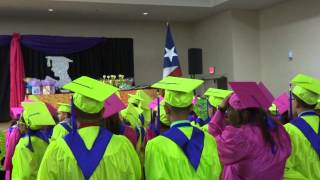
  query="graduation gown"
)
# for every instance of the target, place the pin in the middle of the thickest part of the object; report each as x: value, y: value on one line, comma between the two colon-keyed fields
x: 304, y: 162
x: 12, y: 139
x: 164, y: 159
x: 244, y: 152
x: 59, y: 130
x: 25, y: 162
x: 119, y: 161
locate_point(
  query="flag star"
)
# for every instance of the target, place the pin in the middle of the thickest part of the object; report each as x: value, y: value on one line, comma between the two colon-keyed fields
x: 170, y: 53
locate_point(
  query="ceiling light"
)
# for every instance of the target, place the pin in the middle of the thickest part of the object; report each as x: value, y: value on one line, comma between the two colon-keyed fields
x: 145, y: 13
x: 50, y: 10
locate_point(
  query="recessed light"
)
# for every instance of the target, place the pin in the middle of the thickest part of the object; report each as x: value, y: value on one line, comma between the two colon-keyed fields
x: 50, y: 10
x: 145, y: 13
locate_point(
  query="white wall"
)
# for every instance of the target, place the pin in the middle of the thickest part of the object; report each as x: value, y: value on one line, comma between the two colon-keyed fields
x: 293, y: 25
x: 149, y: 38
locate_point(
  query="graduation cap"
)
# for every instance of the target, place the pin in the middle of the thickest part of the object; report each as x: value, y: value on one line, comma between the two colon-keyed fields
x: 273, y: 109
x: 36, y: 115
x: 306, y: 88
x: 146, y: 99
x: 318, y: 105
x: 153, y: 104
x: 249, y: 95
x: 134, y: 99
x: 132, y: 115
x: 282, y: 103
x: 90, y: 94
x: 178, y: 91
x: 63, y: 107
x: 266, y: 92
x: 216, y: 96
x: 112, y: 106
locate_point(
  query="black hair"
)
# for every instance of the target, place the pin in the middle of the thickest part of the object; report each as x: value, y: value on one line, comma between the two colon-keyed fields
x: 83, y: 116
x: 255, y: 116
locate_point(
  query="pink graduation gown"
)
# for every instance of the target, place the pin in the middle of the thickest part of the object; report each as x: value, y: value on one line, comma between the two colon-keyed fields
x: 245, y: 154
x: 12, y: 139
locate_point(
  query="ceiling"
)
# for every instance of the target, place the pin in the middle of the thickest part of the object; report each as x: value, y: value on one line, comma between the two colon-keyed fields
x: 160, y: 10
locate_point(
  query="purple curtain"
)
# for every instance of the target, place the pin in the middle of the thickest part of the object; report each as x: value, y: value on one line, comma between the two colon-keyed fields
x: 5, y: 40
x: 59, y: 45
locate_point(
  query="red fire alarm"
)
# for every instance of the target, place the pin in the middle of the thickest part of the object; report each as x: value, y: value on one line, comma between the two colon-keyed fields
x: 212, y: 70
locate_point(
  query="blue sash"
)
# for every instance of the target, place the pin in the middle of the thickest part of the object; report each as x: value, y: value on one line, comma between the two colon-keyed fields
x: 88, y: 160
x: 140, y: 132
x: 66, y: 126
x: 192, y: 148
x: 37, y: 133
x: 307, y: 130
x: 141, y: 118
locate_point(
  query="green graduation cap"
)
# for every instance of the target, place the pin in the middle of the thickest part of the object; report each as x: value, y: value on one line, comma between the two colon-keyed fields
x: 134, y: 99
x: 273, y: 109
x: 306, y: 88
x: 90, y: 94
x: 131, y: 114
x: 36, y: 115
x: 178, y: 91
x: 63, y: 107
x: 216, y: 96
x: 146, y: 99
x: 318, y: 105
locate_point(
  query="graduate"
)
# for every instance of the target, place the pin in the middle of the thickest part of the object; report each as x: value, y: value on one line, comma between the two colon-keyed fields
x: 133, y: 114
x: 250, y: 144
x: 64, y: 125
x: 31, y: 148
x: 215, y: 97
x: 12, y: 138
x: 90, y: 152
x: 144, y: 105
x: 280, y: 108
x: 183, y: 151
x: 304, y: 130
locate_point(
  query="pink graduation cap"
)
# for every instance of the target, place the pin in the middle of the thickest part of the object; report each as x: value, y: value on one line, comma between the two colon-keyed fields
x: 282, y: 103
x: 266, y: 92
x: 250, y: 95
x: 15, y: 112
x: 154, y: 102
x: 112, y: 106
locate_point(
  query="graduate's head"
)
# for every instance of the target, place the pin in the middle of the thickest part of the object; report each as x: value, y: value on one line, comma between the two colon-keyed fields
x: 36, y: 115
x: 305, y: 93
x: 89, y: 98
x: 215, y: 98
x: 248, y: 103
x: 178, y: 96
x: 63, y: 111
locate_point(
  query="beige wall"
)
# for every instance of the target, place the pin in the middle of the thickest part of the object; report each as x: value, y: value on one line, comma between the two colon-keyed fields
x: 214, y: 36
x: 293, y: 25
x: 245, y: 39
x: 149, y: 39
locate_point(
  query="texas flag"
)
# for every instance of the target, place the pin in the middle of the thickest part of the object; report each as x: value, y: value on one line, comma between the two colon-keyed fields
x: 171, y: 65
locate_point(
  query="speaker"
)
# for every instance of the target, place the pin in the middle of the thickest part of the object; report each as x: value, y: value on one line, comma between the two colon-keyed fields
x: 222, y: 83
x: 195, y: 61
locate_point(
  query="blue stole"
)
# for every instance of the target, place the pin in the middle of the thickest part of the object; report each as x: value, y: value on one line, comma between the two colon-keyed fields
x: 192, y: 148
x: 37, y: 133
x: 66, y: 125
x: 138, y: 133
x: 307, y: 130
x: 88, y: 160
x: 141, y: 118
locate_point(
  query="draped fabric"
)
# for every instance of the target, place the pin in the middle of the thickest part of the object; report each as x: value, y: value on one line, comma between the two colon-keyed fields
x: 16, y: 72
x: 114, y: 56
x: 92, y: 56
x: 59, y: 45
x: 4, y: 82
